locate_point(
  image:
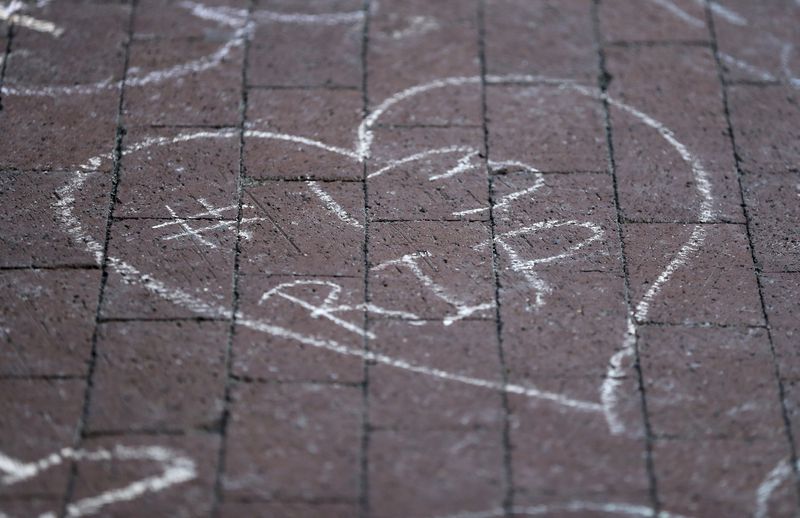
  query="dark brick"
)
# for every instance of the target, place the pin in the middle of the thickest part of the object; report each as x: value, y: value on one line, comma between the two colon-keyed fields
x: 602, y: 466
x: 187, y: 499
x: 146, y: 378
x: 270, y: 356
x: 459, y: 273
x: 327, y: 116
x: 56, y: 133
x: 716, y: 284
x: 191, y: 177
x: 414, y: 43
x: 47, y: 321
x: 209, y: 96
x: 710, y: 383
x: 89, y: 51
x: 43, y: 240
x: 201, y: 269
x: 291, y: 441
x: 438, y: 473
x: 564, y: 130
x: 720, y: 478
x: 407, y: 192
x: 623, y: 20
x: 544, y: 37
x: 327, y: 54
x: 580, y: 326
x: 296, y: 232
x: 774, y: 220
x: 782, y: 301
x: 39, y: 419
x: 755, y: 37
x: 765, y: 121
x: 678, y: 88
x: 168, y: 19
x: 400, y: 399
x: 577, y: 208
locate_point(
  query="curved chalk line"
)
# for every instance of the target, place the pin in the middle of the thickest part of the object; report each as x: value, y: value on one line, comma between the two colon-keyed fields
x: 176, y: 469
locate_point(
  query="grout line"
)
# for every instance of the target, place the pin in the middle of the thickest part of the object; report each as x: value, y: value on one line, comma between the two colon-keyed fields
x: 115, y: 176
x: 364, y: 495
x: 656, y: 43
x: 603, y: 79
x: 235, y: 298
x: 756, y: 268
x: 51, y: 267
x: 508, y: 472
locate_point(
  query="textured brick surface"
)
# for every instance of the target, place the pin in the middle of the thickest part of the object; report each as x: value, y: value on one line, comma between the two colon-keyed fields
x: 765, y: 121
x: 772, y: 202
x: 48, y: 410
x: 148, y: 380
x: 280, y: 445
x: 657, y: 182
x: 31, y: 197
x: 399, y: 259
x: 47, y: 320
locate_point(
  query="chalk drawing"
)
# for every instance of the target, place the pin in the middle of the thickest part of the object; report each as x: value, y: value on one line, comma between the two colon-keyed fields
x: 65, y: 210
x: 176, y: 469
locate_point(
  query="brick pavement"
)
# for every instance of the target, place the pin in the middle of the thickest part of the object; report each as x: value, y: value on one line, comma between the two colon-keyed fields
x: 468, y: 258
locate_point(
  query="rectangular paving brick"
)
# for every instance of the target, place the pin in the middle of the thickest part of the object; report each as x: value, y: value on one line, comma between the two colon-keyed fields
x: 90, y: 48
x: 304, y: 228
x: 574, y: 333
x: 765, y: 122
x: 416, y: 43
x: 555, y: 221
x: 431, y: 269
x: 657, y: 183
x: 193, y: 263
x: 272, y: 307
x: 710, y: 383
x: 334, y: 116
x: 57, y: 133
x: 753, y: 38
x: 327, y: 54
x: 427, y: 173
x: 564, y: 130
x: 47, y: 318
x: 193, y: 497
x: 439, y: 473
x: 146, y: 379
x: 546, y: 438
x: 674, y: 20
x: 720, y: 478
x: 715, y: 283
x: 170, y: 20
x: 774, y: 219
x: 400, y: 399
x: 46, y: 430
x: 44, y: 240
x: 781, y: 300
x: 543, y: 37
x: 204, y: 96
x: 192, y: 177
x: 295, y: 442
